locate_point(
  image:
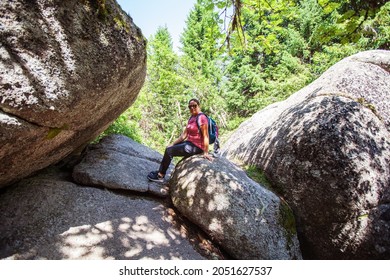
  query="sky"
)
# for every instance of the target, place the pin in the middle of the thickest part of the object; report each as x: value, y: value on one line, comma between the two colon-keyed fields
x: 151, y: 14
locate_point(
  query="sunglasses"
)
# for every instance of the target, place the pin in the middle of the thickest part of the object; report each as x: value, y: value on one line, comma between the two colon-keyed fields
x: 192, y: 106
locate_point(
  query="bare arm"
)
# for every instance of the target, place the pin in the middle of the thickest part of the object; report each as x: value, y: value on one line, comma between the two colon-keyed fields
x: 181, y: 138
x: 205, y: 132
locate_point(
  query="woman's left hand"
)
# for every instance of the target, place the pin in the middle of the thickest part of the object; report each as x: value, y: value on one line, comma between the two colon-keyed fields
x: 208, y: 156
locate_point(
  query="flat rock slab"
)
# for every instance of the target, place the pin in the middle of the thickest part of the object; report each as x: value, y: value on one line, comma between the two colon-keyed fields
x: 118, y: 162
x: 57, y: 219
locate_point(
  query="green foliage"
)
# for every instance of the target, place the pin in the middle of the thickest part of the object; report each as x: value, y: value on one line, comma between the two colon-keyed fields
x: 201, y: 59
x: 376, y: 30
x: 290, y: 43
x: 123, y: 125
x: 239, y: 56
x: 271, y: 66
x: 330, y: 55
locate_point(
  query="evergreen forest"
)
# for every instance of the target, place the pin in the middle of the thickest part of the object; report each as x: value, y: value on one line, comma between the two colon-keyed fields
x: 238, y: 56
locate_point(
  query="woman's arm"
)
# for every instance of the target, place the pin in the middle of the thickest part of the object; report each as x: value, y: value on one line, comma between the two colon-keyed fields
x: 181, y: 138
x: 205, y: 132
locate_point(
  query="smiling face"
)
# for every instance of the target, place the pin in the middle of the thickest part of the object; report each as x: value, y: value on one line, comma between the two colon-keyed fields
x: 194, y: 108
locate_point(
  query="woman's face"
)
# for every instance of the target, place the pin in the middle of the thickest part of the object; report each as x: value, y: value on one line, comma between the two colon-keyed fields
x: 194, y: 108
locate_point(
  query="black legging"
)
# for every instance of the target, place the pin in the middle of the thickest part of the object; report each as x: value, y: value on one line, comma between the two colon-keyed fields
x: 183, y: 149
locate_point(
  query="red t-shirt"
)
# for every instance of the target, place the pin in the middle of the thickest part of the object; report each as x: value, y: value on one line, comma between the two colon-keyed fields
x: 194, y: 135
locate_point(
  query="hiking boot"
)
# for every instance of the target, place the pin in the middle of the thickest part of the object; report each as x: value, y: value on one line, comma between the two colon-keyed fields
x: 155, y: 177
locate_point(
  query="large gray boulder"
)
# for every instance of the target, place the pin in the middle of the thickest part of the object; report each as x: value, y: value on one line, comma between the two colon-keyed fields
x: 326, y: 150
x: 247, y: 220
x: 67, y: 70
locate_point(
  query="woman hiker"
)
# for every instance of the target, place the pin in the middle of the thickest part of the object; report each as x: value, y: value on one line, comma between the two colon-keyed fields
x: 191, y: 142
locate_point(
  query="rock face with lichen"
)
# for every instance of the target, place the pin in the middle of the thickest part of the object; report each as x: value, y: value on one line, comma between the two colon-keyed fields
x: 326, y: 150
x: 247, y: 220
x: 67, y: 70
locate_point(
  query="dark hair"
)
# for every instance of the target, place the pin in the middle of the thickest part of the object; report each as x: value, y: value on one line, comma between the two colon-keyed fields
x: 195, y: 100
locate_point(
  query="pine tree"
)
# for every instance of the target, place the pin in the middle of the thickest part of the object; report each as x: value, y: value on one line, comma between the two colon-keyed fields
x: 201, y: 61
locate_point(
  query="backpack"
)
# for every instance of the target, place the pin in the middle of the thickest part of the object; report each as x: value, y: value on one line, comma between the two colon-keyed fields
x: 213, y: 128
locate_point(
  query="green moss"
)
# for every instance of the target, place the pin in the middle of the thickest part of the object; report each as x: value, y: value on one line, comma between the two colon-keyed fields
x: 286, y: 215
x: 368, y: 105
x: 54, y: 131
x: 257, y: 175
x: 363, y: 217
x: 121, y: 23
x: 287, y: 220
x: 102, y: 9
x: 99, y: 5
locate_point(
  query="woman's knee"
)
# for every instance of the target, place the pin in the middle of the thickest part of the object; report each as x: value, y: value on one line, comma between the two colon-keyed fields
x: 192, y: 149
x: 188, y: 149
